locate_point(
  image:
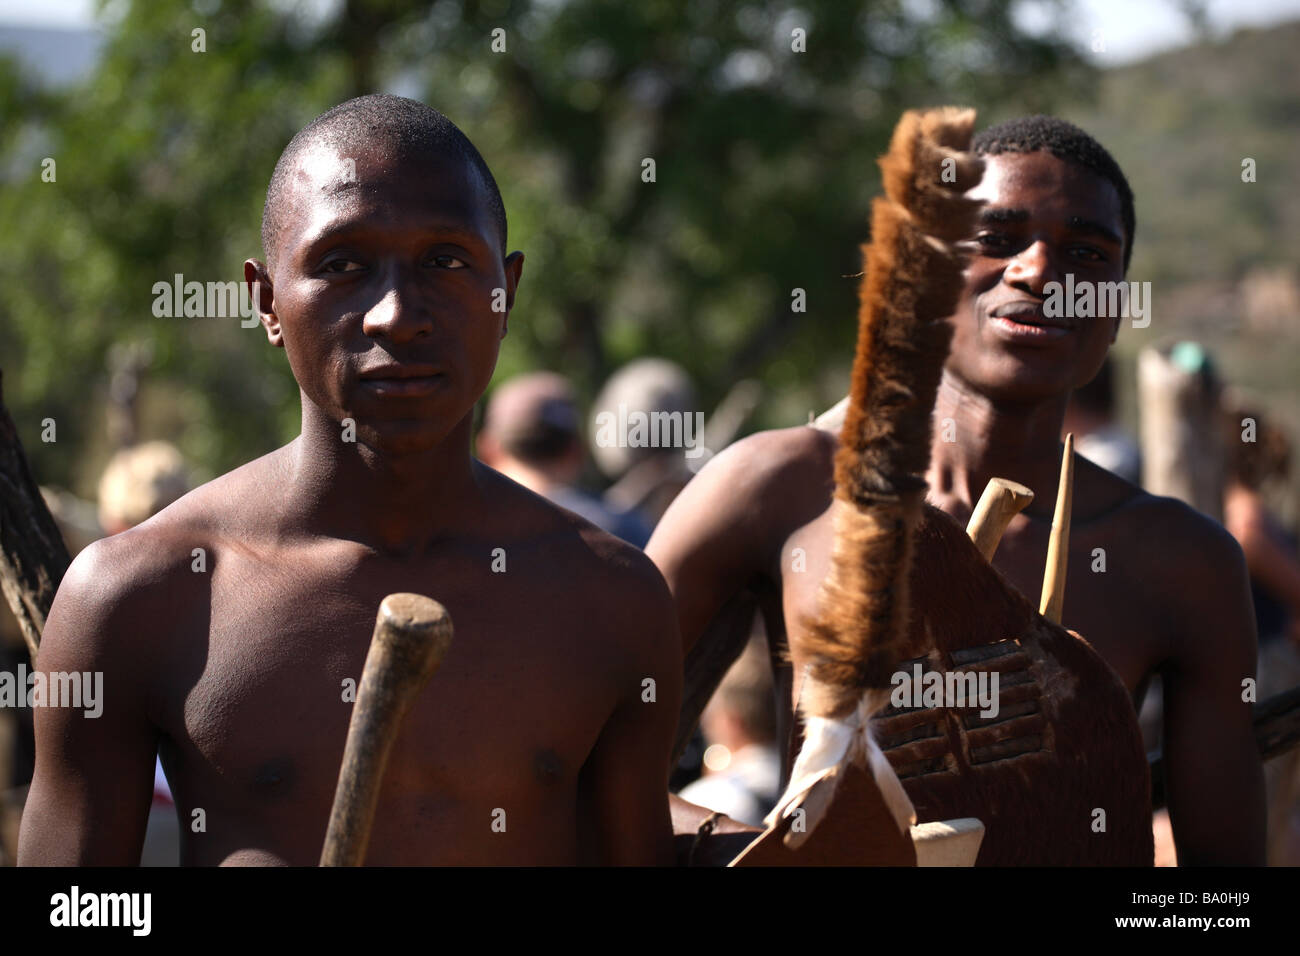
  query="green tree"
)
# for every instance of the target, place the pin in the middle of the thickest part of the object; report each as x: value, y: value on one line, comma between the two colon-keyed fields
x: 763, y: 121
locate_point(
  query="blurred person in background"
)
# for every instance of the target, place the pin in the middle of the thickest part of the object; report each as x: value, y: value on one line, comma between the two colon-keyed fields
x: 1098, y: 435
x: 1258, y: 455
x: 138, y: 483
x: 646, y: 479
x: 742, y: 765
x: 531, y: 434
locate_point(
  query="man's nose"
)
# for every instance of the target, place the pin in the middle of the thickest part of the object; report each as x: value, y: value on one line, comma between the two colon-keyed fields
x: 1031, y: 268
x: 401, y: 314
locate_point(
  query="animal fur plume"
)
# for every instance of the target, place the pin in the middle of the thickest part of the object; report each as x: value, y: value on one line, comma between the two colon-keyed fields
x: 912, y: 284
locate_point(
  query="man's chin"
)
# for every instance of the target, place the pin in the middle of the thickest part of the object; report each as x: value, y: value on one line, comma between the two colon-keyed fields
x: 401, y: 439
x: 1024, y: 381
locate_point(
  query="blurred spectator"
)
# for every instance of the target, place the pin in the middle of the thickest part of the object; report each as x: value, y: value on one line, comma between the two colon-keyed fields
x: 1274, y: 565
x: 531, y: 434
x: 646, y: 479
x: 1097, y: 435
x: 139, y: 482
x: 742, y: 765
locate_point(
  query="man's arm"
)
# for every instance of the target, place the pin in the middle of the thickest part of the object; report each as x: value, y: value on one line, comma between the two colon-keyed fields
x: 1214, y: 776
x: 725, y: 525
x: 1273, y: 566
x: 90, y: 796
x: 626, y: 775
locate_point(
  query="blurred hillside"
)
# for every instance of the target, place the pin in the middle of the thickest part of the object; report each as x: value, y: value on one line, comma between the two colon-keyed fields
x: 1222, y: 255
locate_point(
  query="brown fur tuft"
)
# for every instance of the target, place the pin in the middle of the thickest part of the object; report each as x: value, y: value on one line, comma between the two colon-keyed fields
x: 913, y: 282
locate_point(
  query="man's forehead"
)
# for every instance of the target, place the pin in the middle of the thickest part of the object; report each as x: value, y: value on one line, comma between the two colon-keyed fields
x: 1045, y: 183
x: 325, y: 169
x: 331, y: 184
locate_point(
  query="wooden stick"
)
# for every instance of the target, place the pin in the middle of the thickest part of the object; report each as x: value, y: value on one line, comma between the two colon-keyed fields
x: 1002, y: 500
x: 412, y: 634
x: 1058, y: 545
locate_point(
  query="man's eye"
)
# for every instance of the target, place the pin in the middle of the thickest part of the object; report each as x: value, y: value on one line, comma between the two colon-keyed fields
x: 1089, y: 253
x: 342, y: 265
x: 447, y: 262
x: 992, y: 241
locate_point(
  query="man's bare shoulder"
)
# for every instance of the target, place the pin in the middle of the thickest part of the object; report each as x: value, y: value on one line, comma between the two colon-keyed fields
x: 584, y: 564
x: 1159, y: 525
x: 802, y: 453
x: 732, y: 520
x: 775, y: 471
x: 112, y: 591
x: 1190, y: 565
x: 1196, y: 559
x: 157, y: 565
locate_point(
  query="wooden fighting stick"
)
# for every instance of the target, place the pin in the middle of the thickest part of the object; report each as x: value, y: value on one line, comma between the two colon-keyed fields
x: 1058, y: 545
x: 412, y: 635
x: 1002, y: 500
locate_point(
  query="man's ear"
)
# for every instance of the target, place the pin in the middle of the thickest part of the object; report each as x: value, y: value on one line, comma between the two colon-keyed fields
x: 263, y: 297
x: 514, y: 270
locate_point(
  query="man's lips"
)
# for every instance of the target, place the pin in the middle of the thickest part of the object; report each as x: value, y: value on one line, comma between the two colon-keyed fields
x: 1029, y: 325
x: 402, y: 379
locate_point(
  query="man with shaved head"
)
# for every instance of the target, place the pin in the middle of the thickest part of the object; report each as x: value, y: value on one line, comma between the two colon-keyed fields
x: 230, y: 627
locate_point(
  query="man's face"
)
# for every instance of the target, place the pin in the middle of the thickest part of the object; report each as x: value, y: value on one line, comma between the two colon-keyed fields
x: 383, y: 293
x: 1043, y: 218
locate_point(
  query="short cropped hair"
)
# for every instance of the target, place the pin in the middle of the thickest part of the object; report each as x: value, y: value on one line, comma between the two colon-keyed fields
x: 1065, y: 141
x: 407, y: 125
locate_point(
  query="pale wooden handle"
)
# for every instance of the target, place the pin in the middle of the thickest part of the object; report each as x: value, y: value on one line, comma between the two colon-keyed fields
x: 1058, y: 545
x: 412, y: 634
x: 1002, y: 500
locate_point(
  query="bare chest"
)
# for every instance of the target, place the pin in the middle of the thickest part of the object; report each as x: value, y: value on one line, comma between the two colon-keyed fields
x: 1106, y: 600
x: 259, y: 693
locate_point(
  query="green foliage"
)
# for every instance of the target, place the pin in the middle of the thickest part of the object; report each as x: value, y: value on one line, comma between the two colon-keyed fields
x: 764, y: 172
x: 1180, y: 125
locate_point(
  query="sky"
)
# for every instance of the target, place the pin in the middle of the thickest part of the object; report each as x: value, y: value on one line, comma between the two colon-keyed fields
x: 1113, y: 31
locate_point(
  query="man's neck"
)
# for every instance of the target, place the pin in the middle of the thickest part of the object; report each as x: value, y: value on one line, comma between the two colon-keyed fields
x: 992, y: 439
x: 394, y: 503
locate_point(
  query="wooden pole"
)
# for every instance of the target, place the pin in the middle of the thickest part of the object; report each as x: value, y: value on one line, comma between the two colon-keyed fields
x: 1182, y: 438
x: 1058, y: 545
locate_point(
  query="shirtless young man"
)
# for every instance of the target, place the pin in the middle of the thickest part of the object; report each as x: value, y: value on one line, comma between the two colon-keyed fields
x: 1173, y: 599
x: 387, y: 284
